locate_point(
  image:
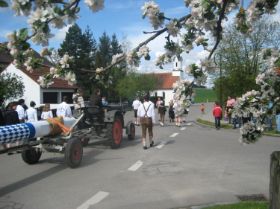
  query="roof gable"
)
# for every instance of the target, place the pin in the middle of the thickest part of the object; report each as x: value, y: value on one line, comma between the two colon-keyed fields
x: 166, y: 80
x: 6, y: 59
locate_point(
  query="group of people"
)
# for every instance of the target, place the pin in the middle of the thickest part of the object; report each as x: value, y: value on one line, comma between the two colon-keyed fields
x: 175, y: 112
x: 236, y: 121
x: 144, y: 114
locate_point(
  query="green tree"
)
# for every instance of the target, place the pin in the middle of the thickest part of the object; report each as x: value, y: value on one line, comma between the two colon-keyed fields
x: 104, y: 54
x: 11, y: 86
x: 239, y: 58
x: 133, y: 83
x: 82, y: 47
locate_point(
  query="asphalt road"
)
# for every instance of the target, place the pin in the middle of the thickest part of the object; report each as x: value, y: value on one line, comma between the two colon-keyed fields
x: 191, y: 165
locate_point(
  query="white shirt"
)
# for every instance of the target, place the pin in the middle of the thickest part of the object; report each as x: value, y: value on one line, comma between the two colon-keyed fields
x: 150, y: 112
x: 64, y: 110
x: 21, y: 112
x: 31, y: 113
x: 46, y: 115
x: 136, y: 103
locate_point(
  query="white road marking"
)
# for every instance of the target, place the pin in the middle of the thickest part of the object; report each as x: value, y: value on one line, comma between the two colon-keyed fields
x: 160, y: 145
x: 135, y: 166
x: 174, y: 134
x: 183, y: 128
x: 94, y: 200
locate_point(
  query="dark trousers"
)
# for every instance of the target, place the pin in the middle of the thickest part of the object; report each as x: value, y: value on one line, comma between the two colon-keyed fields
x: 217, y: 122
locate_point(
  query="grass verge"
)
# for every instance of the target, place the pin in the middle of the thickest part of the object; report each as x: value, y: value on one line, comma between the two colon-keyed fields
x: 242, y: 205
x: 229, y: 126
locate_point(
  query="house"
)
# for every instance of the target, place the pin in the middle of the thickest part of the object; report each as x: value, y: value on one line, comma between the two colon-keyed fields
x: 33, y: 91
x: 166, y: 81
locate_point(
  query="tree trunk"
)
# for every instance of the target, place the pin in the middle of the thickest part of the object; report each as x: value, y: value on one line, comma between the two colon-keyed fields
x: 274, y: 186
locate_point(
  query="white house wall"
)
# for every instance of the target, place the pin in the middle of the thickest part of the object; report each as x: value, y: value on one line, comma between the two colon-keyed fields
x: 168, y: 95
x: 31, y: 90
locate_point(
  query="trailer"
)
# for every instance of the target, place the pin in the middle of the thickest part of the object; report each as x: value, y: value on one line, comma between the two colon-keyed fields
x: 66, y: 135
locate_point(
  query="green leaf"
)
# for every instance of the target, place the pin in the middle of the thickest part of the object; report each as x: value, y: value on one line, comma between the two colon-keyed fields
x: 3, y: 3
x: 23, y: 34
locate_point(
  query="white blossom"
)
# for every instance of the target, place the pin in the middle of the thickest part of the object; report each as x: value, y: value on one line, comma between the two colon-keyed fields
x: 151, y: 10
x: 99, y: 70
x: 116, y: 58
x: 95, y: 5
x: 172, y: 28
x: 71, y: 78
x: 143, y: 51
x: 64, y: 62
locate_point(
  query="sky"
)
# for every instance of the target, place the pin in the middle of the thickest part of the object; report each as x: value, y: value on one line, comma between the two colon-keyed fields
x: 122, y: 17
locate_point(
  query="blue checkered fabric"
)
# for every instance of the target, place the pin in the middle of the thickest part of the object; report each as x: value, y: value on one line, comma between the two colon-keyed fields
x: 13, y: 133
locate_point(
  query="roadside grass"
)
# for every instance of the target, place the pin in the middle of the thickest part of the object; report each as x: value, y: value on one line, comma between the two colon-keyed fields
x: 204, y: 95
x: 209, y: 123
x: 242, y: 205
x: 229, y: 126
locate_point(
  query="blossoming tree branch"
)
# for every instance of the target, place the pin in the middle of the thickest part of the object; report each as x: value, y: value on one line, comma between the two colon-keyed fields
x: 204, y: 19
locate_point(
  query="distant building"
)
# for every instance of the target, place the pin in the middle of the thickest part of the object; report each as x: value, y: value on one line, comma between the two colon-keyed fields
x: 33, y: 91
x: 166, y: 81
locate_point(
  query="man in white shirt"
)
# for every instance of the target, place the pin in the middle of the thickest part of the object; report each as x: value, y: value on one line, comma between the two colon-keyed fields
x: 31, y: 113
x: 20, y: 110
x: 146, y: 113
x: 63, y: 109
x: 136, y: 103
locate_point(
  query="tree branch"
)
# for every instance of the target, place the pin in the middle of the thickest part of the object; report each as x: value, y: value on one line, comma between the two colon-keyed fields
x: 219, y: 28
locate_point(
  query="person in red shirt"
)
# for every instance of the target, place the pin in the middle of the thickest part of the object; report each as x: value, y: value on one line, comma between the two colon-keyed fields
x: 217, y: 113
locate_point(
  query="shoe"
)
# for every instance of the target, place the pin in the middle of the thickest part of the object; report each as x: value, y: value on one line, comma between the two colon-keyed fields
x: 152, y: 144
x: 145, y: 147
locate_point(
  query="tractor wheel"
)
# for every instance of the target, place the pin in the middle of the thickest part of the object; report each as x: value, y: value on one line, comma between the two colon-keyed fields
x: 131, y: 133
x: 73, y: 152
x: 31, y: 155
x: 85, y: 141
x: 115, y: 131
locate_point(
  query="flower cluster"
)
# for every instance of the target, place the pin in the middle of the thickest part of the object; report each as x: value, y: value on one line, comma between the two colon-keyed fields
x: 173, y: 28
x: 95, y: 5
x: 163, y: 59
x: 144, y: 52
x: 151, y: 10
x: 182, y: 95
x: 116, y: 58
x: 132, y: 59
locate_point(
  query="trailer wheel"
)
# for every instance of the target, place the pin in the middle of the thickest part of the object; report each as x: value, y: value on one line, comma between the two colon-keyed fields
x: 115, y: 131
x: 31, y: 155
x: 73, y: 152
x: 131, y: 133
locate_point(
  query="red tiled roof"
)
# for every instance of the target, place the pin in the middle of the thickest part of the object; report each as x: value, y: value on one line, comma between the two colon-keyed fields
x: 166, y: 80
x: 58, y: 83
x: 6, y: 59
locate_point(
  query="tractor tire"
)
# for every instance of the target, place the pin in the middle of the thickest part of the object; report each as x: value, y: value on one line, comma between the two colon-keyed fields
x: 73, y: 152
x: 131, y: 134
x: 115, y: 133
x: 31, y: 155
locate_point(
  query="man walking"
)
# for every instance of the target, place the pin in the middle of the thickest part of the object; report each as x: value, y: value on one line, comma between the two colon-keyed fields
x: 136, y: 103
x: 146, y: 113
x: 217, y: 113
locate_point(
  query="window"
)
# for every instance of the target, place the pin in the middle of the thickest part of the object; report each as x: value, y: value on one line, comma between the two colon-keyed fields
x: 68, y: 95
x: 50, y: 97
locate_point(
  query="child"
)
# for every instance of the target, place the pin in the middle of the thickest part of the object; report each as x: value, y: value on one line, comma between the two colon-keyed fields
x: 47, y: 113
x: 217, y: 113
x: 202, y: 108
